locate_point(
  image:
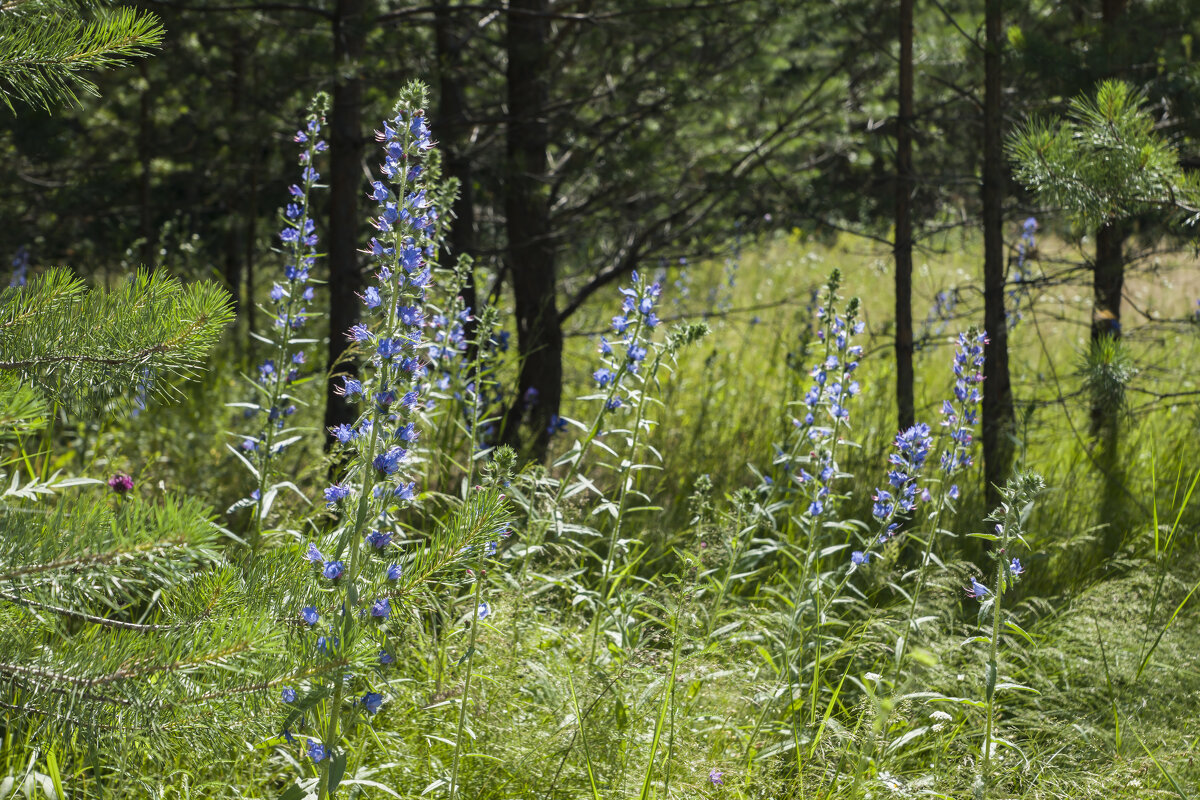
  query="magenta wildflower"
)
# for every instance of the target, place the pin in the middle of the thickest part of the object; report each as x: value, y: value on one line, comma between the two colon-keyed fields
x: 120, y: 483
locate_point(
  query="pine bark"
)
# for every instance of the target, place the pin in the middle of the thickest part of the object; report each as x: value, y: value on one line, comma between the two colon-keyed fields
x: 451, y: 129
x: 345, y: 190
x: 530, y: 253
x: 998, y: 416
x: 902, y: 246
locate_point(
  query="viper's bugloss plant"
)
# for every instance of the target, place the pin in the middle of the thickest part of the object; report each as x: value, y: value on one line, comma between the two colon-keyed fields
x: 366, y: 572
x: 808, y: 460
x: 1016, y: 501
x: 277, y: 375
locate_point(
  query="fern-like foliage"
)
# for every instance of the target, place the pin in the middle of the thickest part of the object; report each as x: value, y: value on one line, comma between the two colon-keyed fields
x: 85, y: 348
x: 1104, y: 161
x: 47, y: 47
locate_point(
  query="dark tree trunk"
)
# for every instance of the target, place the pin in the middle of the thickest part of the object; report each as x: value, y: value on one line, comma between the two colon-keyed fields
x: 998, y: 414
x: 145, y: 158
x: 233, y: 244
x: 451, y: 129
x: 527, y: 221
x: 902, y: 248
x: 345, y: 188
x: 1108, y: 275
x: 1108, y: 282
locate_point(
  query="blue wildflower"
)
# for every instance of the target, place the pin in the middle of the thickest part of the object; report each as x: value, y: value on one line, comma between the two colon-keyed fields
x: 372, y: 701
x: 309, y: 615
x: 335, y: 493
x: 379, y: 539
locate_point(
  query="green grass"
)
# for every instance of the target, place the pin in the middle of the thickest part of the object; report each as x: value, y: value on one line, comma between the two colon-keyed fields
x: 692, y: 669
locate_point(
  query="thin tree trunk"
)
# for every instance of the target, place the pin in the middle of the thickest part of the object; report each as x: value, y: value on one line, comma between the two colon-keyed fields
x: 451, y: 129
x: 902, y: 248
x: 345, y: 188
x: 145, y: 158
x: 998, y: 417
x: 233, y: 245
x: 1108, y: 272
x: 526, y: 207
x: 258, y: 157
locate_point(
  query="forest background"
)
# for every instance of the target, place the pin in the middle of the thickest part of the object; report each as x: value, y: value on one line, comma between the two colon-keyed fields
x: 734, y: 152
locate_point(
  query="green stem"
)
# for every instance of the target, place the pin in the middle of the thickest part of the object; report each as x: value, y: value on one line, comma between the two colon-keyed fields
x: 277, y: 386
x: 474, y: 616
x: 614, y: 536
x: 733, y: 559
x: 378, y: 416
x: 993, y: 665
x: 902, y: 647
x: 466, y: 695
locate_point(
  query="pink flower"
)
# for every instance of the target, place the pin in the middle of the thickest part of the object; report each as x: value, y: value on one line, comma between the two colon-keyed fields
x: 120, y: 483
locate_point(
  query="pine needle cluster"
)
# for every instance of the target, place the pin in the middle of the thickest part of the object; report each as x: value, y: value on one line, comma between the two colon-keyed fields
x: 47, y: 46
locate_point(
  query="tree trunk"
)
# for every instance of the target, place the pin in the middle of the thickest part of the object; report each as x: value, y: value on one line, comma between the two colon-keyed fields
x: 345, y: 189
x: 145, y: 158
x: 451, y: 129
x: 233, y: 245
x: 527, y: 222
x: 1108, y: 275
x: 1108, y: 282
x: 998, y: 414
x: 902, y: 247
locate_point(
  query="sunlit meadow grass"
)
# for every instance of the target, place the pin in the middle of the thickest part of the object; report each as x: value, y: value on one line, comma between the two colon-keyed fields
x: 687, y: 692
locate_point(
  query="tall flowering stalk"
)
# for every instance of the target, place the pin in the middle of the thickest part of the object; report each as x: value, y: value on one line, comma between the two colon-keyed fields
x: 824, y: 413
x: 288, y: 311
x: 959, y: 418
x: 1016, y: 499
x: 619, y: 378
x: 375, y: 483
x: 365, y: 570
x: 824, y: 418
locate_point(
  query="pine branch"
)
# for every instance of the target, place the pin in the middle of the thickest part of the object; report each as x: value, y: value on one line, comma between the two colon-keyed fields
x: 43, y: 54
x: 85, y: 348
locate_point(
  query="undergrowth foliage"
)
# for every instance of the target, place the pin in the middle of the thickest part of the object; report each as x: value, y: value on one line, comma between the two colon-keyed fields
x: 443, y: 622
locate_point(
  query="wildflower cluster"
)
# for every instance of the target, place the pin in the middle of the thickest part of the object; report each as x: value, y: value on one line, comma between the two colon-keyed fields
x: 961, y: 415
x: 362, y: 571
x: 624, y: 357
x: 913, y: 447
x: 825, y: 405
x: 465, y: 362
x: 289, y: 298
x: 900, y: 499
